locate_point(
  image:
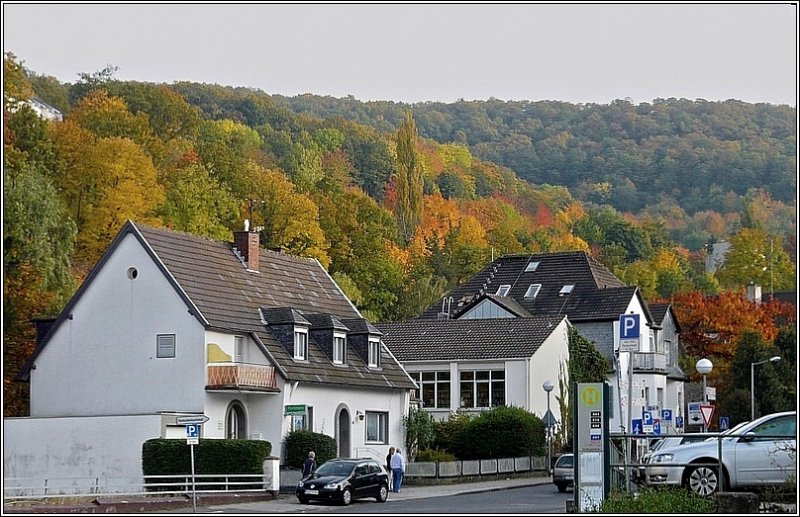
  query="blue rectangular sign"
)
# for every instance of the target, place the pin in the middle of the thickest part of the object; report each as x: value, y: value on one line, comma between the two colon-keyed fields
x: 636, y: 426
x: 647, y: 418
x: 723, y: 423
x: 629, y: 326
x: 679, y: 422
x: 666, y: 415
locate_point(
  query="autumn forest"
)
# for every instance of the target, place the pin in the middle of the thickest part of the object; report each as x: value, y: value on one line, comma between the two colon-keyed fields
x: 401, y: 202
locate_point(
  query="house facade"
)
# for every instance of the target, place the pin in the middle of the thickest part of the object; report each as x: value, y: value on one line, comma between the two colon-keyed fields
x: 169, y: 324
x: 475, y: 364
x: 643, y: 375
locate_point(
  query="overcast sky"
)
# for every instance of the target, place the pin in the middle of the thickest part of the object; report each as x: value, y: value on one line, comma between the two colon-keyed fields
x: 424, y: 52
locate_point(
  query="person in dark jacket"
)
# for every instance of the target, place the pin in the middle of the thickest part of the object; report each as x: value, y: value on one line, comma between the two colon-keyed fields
x: 310, y: 465
x: 389, y: 464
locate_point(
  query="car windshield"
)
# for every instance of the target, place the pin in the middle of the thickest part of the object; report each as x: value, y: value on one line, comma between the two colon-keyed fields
x: 565, y: 461
x: 335, y: 468
x: 733, y: 430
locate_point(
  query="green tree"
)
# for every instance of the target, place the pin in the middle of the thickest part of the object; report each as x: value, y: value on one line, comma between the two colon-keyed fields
x: 420, y: 431
x: 756, y: 257
x: 408, y: 182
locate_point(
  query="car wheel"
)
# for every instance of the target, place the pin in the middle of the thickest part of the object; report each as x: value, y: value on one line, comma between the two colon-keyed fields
x: 347, y: 497
x: 383, y: 494
x: 303, y: 500
x: 562, y: 487
x: 702, y: 481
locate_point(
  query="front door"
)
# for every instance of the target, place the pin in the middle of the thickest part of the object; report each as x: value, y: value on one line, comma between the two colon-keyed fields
x: 344, y: 433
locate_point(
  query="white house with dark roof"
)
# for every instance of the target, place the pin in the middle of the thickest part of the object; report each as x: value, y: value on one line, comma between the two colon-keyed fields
x: 477, y: 364
x: 551, y: 286
x: 169, y: 324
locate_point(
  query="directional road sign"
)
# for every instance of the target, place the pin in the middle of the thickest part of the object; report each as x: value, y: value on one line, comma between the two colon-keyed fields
x: 694, y: 416
x: 191, y: 419
x: 656, y: 426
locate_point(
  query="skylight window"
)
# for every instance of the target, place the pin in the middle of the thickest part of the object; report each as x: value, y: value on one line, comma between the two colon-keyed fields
x: 567, y: 289
x: 533, y: 290
x: 503, y: 290
x: 531, y: 267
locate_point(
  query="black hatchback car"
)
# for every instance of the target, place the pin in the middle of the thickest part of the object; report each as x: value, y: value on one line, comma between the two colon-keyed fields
x: 343, y: 480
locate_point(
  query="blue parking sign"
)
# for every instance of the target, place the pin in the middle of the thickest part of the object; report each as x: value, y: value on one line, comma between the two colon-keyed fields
x: 679, y: 422
x: 666, y: 415
x: 647, y: 418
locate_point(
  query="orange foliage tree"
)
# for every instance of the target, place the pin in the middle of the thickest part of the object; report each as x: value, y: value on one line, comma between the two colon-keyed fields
x: 711, y: 325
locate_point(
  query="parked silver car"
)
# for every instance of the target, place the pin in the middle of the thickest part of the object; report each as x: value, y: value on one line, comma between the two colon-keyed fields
x: 763, y: 454
x: 563, y: 472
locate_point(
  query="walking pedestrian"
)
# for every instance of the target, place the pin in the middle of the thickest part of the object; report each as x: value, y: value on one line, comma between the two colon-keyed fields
x: 310, y: 465
x: 398, y: 470
x: 389, y: 464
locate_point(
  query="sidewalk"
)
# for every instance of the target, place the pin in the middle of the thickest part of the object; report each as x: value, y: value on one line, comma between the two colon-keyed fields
x: 286, y: 502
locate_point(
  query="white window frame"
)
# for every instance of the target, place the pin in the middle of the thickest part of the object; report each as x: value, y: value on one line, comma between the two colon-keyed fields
x: 438, y: 382
x: 503, y: 290
x: 339, y: 347
x: 376, y: 428
x: 531, y: 267
x: 567, y: 289
x: 238, y: 349
x: 533, y: 290
x: 301, y: 344
x: 491, y: 381
x: 374, y: 353
x: 166, y: 346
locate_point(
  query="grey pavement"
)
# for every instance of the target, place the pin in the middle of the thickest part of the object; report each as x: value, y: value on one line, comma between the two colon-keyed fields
x: 288, y: 502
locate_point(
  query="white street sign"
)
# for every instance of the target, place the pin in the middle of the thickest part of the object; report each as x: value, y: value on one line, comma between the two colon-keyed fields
x: 192, y: 419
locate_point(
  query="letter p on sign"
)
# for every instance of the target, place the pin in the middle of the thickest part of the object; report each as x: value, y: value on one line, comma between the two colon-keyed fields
x: 629, y: 326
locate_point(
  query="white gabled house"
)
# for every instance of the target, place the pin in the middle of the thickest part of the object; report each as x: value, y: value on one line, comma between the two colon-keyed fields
x: 170, y: 324
x: 548, y: 287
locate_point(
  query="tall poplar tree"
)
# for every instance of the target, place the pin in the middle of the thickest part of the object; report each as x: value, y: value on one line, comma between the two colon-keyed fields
x: 408, y: 180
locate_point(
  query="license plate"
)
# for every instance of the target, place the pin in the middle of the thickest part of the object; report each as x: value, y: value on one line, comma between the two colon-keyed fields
x: 568, y: 476
x: 312, y: 492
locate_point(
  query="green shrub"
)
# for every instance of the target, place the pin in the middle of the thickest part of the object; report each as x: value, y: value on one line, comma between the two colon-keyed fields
x: 663, y: 501
x: 162, y: 456
x: 434, y: 455
x: 447, y: 433
x: 299, y: 443
x: 501, y: 432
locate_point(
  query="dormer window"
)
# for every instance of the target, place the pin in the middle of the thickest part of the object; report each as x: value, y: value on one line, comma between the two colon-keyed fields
x: 567, y: 289
x: 531, y: 267
x: 532, y: 291
x: 374, y: 353
x: 503, y: 290
x: 301, y: 343
x: 339, y: 341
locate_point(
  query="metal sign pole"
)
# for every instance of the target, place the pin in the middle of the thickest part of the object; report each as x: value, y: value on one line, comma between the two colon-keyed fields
x: 194, y: 494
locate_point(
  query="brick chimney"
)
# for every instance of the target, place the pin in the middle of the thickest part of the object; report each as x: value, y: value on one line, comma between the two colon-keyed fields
x: 247, y: 243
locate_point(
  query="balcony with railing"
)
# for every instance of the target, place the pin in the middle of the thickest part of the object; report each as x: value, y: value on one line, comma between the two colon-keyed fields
x: 649, y: 362
x: 241, y: 377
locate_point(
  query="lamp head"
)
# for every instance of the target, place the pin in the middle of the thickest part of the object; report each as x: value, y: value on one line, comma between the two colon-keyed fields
x: 548, y: 386
x: 704, y: 366
x: 775, y: 359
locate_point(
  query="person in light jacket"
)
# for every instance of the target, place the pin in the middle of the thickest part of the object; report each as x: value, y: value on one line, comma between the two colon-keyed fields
x: 398, y: 470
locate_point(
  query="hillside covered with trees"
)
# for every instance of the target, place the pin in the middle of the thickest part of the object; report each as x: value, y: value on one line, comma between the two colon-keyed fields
x: 399, y: 206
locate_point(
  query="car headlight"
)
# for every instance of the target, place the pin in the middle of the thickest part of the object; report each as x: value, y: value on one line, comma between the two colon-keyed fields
x: 332, y: 486
x: 300, y: 483
x: 663, y: 458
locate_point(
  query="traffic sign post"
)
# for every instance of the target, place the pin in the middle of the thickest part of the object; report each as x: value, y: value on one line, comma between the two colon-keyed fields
x: 193, y: 430
x: 694, y: 417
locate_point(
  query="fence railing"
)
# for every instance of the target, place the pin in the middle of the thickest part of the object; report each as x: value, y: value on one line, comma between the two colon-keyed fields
x: 162, y: 485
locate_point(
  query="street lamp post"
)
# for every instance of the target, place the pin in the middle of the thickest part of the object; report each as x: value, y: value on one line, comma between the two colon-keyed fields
x: 704, y: 367
x: 774, y: 359
x: 548, y: 387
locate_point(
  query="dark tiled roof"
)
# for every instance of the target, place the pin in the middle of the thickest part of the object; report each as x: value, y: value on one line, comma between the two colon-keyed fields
x: 361, y: 326
x: 659, y: 312
x: 326, y: 321
x: 597, y: 293
x: 448, y: 340
x: 283, y: 315
x: 230, y: 297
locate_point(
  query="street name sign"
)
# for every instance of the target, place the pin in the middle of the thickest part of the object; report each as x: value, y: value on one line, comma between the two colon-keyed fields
x: 191, y: 419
